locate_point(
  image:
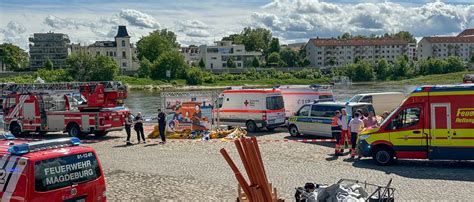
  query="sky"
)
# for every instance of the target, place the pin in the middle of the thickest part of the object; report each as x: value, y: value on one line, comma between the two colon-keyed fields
x: 204, y: 21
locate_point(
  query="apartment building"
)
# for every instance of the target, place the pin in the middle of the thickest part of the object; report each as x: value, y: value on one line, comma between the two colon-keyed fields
x: 216, y: 57
x: 48, y: 46
x: 191, y: 54
x: 461, y: 45
x: 121, y: 50
x: 339, y: 52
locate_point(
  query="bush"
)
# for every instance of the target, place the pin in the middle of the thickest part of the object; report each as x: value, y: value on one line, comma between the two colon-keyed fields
x: 59, y: 75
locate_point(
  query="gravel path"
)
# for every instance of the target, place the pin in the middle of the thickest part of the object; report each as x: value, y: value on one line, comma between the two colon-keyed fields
x: 196, y: 171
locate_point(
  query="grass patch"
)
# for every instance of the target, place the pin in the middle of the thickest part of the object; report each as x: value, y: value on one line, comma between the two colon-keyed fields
x: 450, y: 78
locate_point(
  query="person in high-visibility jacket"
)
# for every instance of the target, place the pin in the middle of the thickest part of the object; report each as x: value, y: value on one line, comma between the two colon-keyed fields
x: 336, y: 129
x: 345, y: 136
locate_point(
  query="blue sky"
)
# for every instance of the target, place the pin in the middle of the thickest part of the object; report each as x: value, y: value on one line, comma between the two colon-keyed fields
x: 204, y: 21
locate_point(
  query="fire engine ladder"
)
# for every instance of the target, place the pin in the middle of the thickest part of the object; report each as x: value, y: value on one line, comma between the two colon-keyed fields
x: 42, y: 111
x: 61, y: 87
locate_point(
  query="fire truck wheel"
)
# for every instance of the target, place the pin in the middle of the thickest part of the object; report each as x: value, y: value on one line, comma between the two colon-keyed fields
x: 251, y: 126
x: 15, y: 129
x: 100, y: 133
x: 73, y: 130
x: 383, y: 156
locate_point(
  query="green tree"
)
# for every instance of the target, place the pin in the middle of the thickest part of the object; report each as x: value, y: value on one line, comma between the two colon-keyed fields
x: 400, y: 68
x: 289, y: 56
x: 156, y: 43
x: 255, y: 62
x: 360, y: 71
x: 405, y: 35
x: 455, y: 64
x: 144, y: 71
x: 231, y: 63
x: 254, y: 39
x: 274, y: 46
x: 202, y: 65
x: 48, y: 64
x: 13, y: 57
x: 346, y: 35
x: 273, y: 59
x: 382, y: 70
x: 171, y: 61
x: 194, y: 76
x: 235, y: 38
x: 472, y: 57
x: 84, y: 67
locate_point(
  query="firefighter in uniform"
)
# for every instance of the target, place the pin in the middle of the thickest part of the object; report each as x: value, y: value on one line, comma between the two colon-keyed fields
x: 336, y: 129
x: 345, y: 138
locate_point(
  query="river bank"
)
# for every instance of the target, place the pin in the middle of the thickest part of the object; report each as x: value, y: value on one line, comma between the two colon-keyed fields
x: 148, y: 84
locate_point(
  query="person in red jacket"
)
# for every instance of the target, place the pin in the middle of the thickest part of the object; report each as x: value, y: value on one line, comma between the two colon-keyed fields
x: 336, y: 129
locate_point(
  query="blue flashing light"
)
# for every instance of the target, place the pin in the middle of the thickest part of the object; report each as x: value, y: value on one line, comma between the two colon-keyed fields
x: 43, y: 145
x: 19, y: 149
x: 75, y: 141
x: 7, y: 136
x: 419, y: 89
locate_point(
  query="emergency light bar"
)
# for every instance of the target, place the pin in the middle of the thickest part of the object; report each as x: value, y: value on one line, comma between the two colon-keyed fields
x: 43, y: 145
x: 7, y: 136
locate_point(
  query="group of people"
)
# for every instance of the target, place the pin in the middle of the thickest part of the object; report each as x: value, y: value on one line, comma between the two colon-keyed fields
x: 137, y: 124
x: 346, y: 129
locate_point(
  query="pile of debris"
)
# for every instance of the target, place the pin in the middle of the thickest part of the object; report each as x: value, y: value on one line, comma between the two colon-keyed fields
x: 345, y: 190
x: 225, y: 135
x: 258, y: 188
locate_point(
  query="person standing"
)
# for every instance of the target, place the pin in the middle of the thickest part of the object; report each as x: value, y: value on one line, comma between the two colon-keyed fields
x: 128, y: 126
x: 345, y: 139
x: 162, y: 125
x: 336, y: 131
x: 355, y: 126
x: 139, y: 127
x: 370, y: 120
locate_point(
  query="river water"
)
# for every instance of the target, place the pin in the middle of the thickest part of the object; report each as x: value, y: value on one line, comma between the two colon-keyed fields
x: 148, y: 101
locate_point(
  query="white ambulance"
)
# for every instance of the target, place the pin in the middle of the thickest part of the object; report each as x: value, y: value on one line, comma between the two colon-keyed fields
x: 251, y: 108
x: 296, y: 96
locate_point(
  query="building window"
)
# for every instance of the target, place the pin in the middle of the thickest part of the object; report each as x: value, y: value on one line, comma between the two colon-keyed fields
x: 239, y: 64
x: 97, y: 53
x: 213, y: 58
x: 124, y: 64
x: 124, y: 55
x: 212, y: 66
x: 123, y: 43
x: 224, y: 65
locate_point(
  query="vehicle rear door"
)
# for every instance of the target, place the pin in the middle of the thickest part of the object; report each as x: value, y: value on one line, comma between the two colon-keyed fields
x: 407, y: 132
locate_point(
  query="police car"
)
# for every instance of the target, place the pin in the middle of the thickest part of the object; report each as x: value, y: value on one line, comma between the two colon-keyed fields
x: 49, y: 170
x: 315, y: 118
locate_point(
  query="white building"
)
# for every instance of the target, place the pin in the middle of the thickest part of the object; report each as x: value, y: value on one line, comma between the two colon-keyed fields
x: 339, y: 52
x: 215, y: 57
x: 461, y: 45
x: 121, y: 50
x: 191, y: 55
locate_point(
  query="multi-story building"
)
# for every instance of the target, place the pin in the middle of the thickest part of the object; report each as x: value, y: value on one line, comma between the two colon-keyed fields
x: 339, y: 52
x: 216, y: 57
x: 48, y: 46
x: 121, y: 50
x: 461, y: 45
x: 191, y: 54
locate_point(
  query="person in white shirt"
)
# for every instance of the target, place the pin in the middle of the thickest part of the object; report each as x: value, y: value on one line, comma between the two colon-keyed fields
x: 355, y: 127
x: 345, y: 129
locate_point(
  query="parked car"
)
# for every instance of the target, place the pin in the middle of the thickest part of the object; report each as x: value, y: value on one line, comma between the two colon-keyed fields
x: 382, y: 102
x: 315, y: 118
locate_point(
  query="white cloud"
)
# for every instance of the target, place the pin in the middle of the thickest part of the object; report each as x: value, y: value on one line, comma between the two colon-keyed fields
x: 139, y: 19
x: 193, y: 28
x: 302, y: 19
x: 14, y: 33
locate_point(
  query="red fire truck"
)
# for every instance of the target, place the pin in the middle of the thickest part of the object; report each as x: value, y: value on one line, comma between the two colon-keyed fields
x: 76, y: 108
x: 49, y: 170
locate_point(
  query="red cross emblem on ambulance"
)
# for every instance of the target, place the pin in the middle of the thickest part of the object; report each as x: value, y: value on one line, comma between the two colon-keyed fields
x: 246, y: 103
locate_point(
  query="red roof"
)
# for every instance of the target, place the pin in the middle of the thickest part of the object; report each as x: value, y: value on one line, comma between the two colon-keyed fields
x: 357, y: 42
x: 467, y: 32
x: 450, y: 39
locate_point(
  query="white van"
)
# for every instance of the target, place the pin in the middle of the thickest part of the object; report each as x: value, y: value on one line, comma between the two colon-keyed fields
x: 296, y: 96
x: 382, y: 102
x: 251, y: 108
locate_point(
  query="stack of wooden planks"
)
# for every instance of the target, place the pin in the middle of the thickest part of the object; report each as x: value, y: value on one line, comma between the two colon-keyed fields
x: 257, y: 189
